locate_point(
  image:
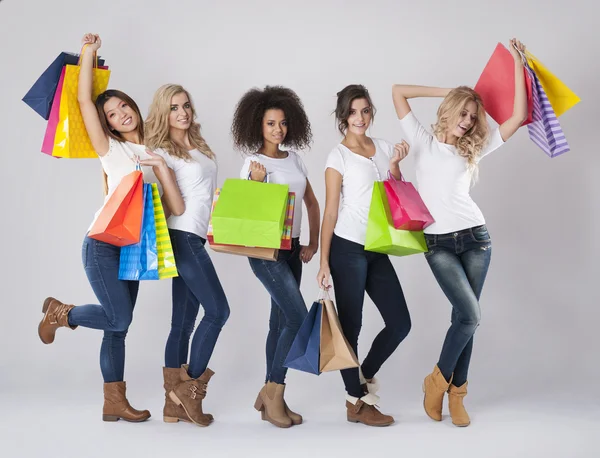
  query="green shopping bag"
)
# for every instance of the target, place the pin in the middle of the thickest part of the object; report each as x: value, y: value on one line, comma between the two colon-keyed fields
x: 382, y: 237
x: 249, y: 213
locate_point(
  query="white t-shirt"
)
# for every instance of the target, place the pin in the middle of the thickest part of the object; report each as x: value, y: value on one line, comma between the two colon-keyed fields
x: 289, y: 170
x: 358, y: 175
x: 197, y: 180
x: 444, y: 178
x: 120, y: 161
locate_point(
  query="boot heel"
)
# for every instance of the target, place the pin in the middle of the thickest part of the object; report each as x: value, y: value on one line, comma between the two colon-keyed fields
x: 174, y: 398
x: 352, y: 420
x: 259, y: 405
x: 110, y: 417
x: 263, y: 415
x: 170, y: 419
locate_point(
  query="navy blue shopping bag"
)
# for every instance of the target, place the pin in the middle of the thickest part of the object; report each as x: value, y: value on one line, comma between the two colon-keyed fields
x: 304, y: 353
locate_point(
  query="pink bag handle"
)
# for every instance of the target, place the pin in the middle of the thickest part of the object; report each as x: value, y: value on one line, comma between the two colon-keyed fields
x: 392, y: 177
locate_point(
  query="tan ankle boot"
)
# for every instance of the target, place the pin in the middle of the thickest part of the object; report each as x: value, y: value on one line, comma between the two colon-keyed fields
x: 172, y: 413
x: 55, y: 316
x: 459, y: 415
x: 361, y: 412
x: 189, y: 393
x: 272, y: 406
x: 434, y: 387
x: 116, y: 405
x: 295, y: 417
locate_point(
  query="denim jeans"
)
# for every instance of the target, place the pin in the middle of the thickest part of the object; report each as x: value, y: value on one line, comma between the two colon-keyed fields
x: 197, y: 284
x: 460, y: 262
x: 281, y: 279
x: 354, y: 271
x: 115, y: 312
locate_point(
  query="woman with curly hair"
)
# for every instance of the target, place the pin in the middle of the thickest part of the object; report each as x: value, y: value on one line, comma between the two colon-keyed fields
x: 173, y: 132
x: 459, y: 244
x: 352, y: 168
x: 263, y: 121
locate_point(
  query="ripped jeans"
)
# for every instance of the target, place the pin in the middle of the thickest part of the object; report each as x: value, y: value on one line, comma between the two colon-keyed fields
x: 460, y: 261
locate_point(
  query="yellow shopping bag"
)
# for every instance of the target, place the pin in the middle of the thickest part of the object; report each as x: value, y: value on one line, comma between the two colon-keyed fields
x: 71, y: 139
x: 166, y: 257
x: 560, y: 96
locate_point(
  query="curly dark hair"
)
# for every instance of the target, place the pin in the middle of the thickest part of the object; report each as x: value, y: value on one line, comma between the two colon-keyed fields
x: 246, y: 128
x: 344, y: 101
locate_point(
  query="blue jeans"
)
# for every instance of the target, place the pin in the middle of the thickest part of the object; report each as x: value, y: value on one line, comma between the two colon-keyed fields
x: 281, y: 279
x: 115, y: 312
x: 197, y: 284
x: 355, y: 271
x: 460, y: 262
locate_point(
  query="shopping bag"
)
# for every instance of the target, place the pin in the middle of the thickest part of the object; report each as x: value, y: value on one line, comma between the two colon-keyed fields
x: 249, y: 213
x: 407, y: 209
x: 335, y: 352
x: 382, y: 237
x: 559, y: 95
x: 120, y: 220
x: 71, y: 139
x: 305, y: 349
x: 48, y: 143
x: 42, y: 94
x: 496, y: 86
x: 268, y: 254
x: 140, y: 261
x: 166, y: 258
x: 545, y: 131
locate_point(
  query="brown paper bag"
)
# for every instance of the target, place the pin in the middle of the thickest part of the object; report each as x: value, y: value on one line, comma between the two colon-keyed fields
x: 268, y: 254
x: 335, y: 351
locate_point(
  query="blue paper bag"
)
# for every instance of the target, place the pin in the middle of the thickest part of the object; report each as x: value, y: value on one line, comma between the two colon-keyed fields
x: 41, y: 94
x: 140, y: 261
x: 304, y: 353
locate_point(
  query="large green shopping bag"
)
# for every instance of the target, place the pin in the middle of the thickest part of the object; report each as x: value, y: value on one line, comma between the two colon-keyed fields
x: 382, y: 237
x: 249, y: 213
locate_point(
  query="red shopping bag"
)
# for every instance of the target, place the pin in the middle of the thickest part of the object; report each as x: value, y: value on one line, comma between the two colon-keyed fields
x: 120, y: 221
x: 496, y: 86
x: 409, y: 212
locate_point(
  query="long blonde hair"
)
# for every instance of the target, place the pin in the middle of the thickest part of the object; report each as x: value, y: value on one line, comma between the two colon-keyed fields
x: 157, y: 125
x: 473, y: 141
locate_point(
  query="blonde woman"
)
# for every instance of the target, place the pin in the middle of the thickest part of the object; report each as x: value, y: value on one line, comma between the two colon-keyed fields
x: 173, y: 133
x: 459, y: 244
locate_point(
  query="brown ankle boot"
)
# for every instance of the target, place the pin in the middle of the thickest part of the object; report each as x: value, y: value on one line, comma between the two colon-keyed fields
x: 55, y: 316
x: 295, y: 417
x: 434, y: 387
x: 272, y: 406
x: 459, y: 415
x: 189, y: 393
x: 366, y: 414
x: 116, y: 405
x: 172, y: 413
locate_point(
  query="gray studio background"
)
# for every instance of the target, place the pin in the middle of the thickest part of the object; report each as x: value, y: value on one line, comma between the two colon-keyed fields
x: 537, y: 344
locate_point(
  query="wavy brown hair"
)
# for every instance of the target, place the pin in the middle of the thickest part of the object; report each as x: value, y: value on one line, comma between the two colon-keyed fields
x: 247, y: 129
x: 157, y: 125
x: 474, y: 140
x: 344, y: 103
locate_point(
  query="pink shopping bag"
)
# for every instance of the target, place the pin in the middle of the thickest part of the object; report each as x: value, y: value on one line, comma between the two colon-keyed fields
x: 48, y: 143
x: 409, y: 212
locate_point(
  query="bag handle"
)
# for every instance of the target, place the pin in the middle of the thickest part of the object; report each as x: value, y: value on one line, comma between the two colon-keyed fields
x: 323, y: 294
x: 95, y: 57
x: 393, y: 178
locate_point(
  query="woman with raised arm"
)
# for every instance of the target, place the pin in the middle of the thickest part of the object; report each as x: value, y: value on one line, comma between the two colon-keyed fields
x: 115, y: 127
x: 459, y: 244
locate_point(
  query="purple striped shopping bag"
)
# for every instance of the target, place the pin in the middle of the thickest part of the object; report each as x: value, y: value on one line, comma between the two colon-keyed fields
x: 545, y: 130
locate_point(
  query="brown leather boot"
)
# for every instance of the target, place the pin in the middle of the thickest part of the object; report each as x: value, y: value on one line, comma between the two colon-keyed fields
x: 459, y: 415
x: 116, y: 405
x: 189, y: 393
x: 55, y: 316
x: 434, y: 387
x: 271, y: 405
x: 366, y: 414
x: 172, y: 413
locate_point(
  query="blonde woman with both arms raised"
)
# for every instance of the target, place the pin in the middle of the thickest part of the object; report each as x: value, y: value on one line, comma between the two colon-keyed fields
x: 459, y: 244
x: 174, y: 134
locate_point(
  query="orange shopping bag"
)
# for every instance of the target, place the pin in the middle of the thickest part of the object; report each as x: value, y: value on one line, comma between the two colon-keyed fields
x: 120, y: 221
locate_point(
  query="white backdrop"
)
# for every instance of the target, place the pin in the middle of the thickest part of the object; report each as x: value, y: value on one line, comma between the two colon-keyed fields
x: 537, y: 341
